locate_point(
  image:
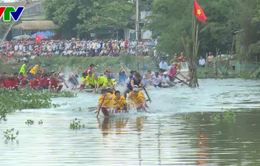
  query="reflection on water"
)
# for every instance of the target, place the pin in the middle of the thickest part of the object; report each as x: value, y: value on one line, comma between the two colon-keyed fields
x: 163, y: 137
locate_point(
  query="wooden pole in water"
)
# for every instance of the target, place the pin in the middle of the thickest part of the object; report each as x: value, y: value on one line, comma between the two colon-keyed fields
x: 193, y: 67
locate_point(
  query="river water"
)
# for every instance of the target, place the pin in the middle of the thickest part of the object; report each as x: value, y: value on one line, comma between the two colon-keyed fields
x: 178, y: 130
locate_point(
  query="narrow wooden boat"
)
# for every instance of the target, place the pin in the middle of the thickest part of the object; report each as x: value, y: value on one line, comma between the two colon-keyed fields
x: 107, y: 113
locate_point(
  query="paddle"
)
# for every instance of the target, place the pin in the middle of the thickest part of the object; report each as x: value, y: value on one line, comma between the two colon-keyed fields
x: 181, y: 81
x: 100, y: 106
x: 149, y: 99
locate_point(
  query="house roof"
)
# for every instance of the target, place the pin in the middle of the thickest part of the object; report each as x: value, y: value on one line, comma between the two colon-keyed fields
x: 36, y: 25
x: 16, y: 4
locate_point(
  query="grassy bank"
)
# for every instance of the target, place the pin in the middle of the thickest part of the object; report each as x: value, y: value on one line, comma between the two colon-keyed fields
x: 115, y: 63
x: 82, y: 63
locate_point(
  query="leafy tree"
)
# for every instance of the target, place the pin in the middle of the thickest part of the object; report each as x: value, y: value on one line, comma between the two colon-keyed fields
x: 78, y: 18
x: 172, y: 19
x: 108, y: 14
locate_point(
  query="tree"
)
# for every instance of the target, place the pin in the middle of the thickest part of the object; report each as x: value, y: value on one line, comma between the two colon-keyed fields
x: 78, y: 18
x: 108, y: 14
x: 172, y: 19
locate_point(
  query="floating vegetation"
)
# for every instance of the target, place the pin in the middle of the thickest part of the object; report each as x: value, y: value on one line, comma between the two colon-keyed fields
x: 186, y: 117
x: 26, y: 99
x: 227, y: 116
x: 40, y: 122
x: 10, y: 134
x: 75, y: 125
x: 3, y: 117
x: 56, y: 105
x: 80, y: 110
x: 66, y: 94
x: 29, y: 122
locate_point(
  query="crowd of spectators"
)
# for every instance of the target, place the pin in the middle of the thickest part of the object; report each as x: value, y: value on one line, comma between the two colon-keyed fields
x: 67, y: 48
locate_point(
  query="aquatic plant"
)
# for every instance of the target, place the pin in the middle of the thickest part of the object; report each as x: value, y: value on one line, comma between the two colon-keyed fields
x: 215, y: 117
x: 66, y: 94
x: 40, y: 122
x: 9, y: 134
x: 3, y: 116
x: 186, y: 117
x: 75, y: 125
x: 56, y: 105
x: 26, y: 99
x: 29, y: 122
x: 227, y: 116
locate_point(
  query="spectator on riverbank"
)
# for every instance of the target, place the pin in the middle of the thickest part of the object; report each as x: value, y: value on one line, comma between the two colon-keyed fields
x: 202, y: 62
x: 163, y: 65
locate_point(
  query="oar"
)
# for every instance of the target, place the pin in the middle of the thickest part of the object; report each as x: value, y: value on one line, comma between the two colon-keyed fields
x: 100, y: 106
x: 181, y: 81
x: 149, y: 99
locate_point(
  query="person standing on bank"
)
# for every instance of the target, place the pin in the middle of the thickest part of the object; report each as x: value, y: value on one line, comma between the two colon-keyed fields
x: 163, y: 65
x: 202, y: 62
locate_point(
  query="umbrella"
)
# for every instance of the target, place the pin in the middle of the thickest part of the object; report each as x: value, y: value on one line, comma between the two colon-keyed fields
x: 45, y: 34
x: 22, y: 37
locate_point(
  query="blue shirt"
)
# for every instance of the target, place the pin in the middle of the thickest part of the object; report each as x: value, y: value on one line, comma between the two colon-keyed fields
x: 122, y: 77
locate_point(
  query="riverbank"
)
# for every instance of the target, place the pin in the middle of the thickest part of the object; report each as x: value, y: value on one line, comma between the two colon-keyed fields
x: 142, y: 64
x: 82, y: 63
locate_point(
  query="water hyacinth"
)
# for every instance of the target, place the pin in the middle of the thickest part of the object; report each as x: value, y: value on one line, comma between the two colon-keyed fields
x: 27, y: 99
x: 29, y: 122
x: 9, y: 134
x: 76, y: 125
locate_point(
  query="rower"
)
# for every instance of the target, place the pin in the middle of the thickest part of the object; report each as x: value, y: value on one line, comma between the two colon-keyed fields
x: 84, y: 81
x: 166, y: 80
x: 173, y: 71
x: 90, y: 80
x: 99, y: 81
x: 119, y: 102
x: 137, y: 99
x: 134, y: 81
x: 89, y: 69
x: 24, y: 67
x: 109, y: 83
x: 34, y: 70
x: 105, y: 100
x: 53, y: 84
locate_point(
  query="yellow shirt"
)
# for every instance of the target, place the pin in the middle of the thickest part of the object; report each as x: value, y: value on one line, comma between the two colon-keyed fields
x: 101, y: 80
x: 106, y: 102
x: 83, y: 79
x: 135, y: 100
x: 119, y: 103
x: 90, y: 80
x: 111, y: 83
x: 34, y: 70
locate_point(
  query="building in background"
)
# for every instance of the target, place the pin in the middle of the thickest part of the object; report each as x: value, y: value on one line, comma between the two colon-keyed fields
x: 129, y: 34
x: 32, y: 17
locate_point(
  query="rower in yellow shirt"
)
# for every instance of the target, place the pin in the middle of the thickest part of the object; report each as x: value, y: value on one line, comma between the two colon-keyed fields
x: 105, y: 100
x: 84, y: 81
x: 91, y: 82
x: 137, y: 99
x: 109, y: 83
x: 99, y: 81
x: 34, y: 70
x: 119, y: 102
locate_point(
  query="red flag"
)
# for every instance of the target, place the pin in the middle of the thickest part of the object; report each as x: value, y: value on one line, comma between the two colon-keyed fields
x: 198, y: 12
x: 38, y: 39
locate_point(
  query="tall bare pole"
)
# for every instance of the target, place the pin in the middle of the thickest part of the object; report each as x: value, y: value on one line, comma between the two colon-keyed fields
x: 137, y: 19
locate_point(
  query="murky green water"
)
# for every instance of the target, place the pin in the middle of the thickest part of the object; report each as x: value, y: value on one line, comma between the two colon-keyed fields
x: 179, y: 130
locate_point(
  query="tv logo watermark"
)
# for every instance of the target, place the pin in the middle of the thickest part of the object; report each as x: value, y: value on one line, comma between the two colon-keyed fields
x: 9, y: 11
